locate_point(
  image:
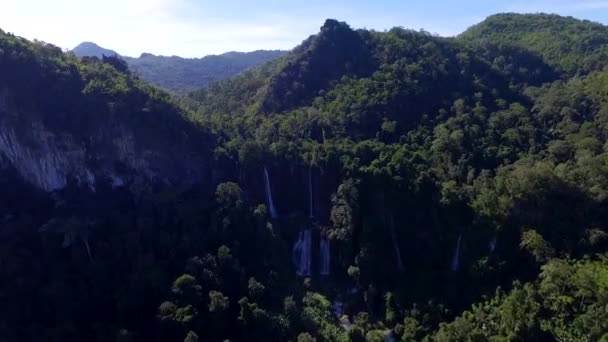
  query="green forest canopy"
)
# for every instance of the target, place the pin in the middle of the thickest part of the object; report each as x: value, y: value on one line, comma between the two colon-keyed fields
x: 462, y: 183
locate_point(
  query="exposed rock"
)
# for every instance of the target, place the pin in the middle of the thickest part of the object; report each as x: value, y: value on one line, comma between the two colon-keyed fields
x: 51, y: 160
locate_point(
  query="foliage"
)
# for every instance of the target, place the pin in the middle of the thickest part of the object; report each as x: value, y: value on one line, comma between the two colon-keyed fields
x: 566, y: 302
x: 408, y: 152
x: 574, y: 46
x: 181, y: 75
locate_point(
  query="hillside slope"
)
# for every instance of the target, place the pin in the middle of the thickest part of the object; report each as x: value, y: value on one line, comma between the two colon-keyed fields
x: 479, y: 159
x: 64, y: 119
x: 573, y: 46
x: 182, y: 75
x: 366, y: 186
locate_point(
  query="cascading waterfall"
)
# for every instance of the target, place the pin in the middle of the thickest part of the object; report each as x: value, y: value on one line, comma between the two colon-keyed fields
x: 310, y: 199
x: 324, y: 268
x: 297, y: 251
x: 271, y: 208
x: 456, y: 258
x: 305, y: 260
x: 302, y: 253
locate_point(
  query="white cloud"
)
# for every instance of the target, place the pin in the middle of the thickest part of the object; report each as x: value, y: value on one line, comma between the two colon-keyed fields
x: 193, y: 28
x: 590, y: 5
x: 564, y: 7
x: 134, y: 26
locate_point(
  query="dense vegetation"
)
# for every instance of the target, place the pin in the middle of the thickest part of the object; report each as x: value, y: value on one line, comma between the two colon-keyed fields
x: 182, y: 75
x: 573, y: 46
x: 462, y: 183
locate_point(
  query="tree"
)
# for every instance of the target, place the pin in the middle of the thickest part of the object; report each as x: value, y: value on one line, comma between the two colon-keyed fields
x: 256, y: 289
x: 191, y: 337
x: 116, y: 62
x: 536, y: 245
x: 167, y: 311
x: 306, y: 337
x: 391, y: 310
x: 218, y: 302
x: 186, y: 289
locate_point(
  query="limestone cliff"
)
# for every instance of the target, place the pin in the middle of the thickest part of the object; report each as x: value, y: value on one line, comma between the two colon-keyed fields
x: 50, y: 158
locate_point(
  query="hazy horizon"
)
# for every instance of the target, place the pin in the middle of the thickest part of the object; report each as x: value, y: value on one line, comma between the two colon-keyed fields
x: 189, y: 28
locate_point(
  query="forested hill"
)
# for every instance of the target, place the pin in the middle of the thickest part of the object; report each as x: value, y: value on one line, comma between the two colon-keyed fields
x: 443, y: 170
x: 366, y: 186
x: 87, y: 121
x: 182, y: 75
x: 571, y: 45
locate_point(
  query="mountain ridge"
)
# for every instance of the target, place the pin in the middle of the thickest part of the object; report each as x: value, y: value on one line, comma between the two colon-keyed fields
x: 572, y: 45
x: 181, y: 75
x: 74, y: 132
x: 90, y: 49
x: 365, y: 186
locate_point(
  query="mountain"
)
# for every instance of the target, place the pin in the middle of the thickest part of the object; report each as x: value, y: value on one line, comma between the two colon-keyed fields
x: 92, y: 123
x: 571, y: 45
x: 443, y: 170
x: 365, y: 186
x: 182, y: 75
x: 92, y: 50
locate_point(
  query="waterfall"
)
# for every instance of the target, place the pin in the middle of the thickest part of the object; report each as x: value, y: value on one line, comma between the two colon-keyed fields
x: 398, y: 253
x: 393, y: 235
x: 492, y: 245
x: 338, y: 308
x: 271, y: 208
x: 310, y: 199
x: 302, y: 254
x: 85, y: 240
x: 297, y: 251
x: 390, y: 337
x: 306, y: 254
x: 456, y: 258
x: 324, y: 268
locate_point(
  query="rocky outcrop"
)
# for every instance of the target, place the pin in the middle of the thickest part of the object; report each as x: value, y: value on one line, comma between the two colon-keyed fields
x: 45, y: 164
x: 112, y: 154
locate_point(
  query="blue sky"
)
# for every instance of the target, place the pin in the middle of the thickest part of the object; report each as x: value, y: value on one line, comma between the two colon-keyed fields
x: 194, y: 28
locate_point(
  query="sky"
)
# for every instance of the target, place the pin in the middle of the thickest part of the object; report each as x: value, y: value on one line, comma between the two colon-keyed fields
x: 195, y: 28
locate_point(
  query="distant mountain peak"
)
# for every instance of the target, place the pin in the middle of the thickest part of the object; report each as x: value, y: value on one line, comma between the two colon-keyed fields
x: 90, y: 49
x: 182, y: 75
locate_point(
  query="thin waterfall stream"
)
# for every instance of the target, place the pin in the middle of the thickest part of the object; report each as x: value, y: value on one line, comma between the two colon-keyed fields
x: 271, y: 208
x: 302, y: 253
x: 456, y: 257
x: 324, y: 267
x: 391, y: 227
x: 310, y: 194
x: 492, y: 245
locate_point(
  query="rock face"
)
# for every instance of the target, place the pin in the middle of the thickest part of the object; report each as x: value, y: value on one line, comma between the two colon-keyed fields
x: 111, y: 154
x: 44, y: 165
